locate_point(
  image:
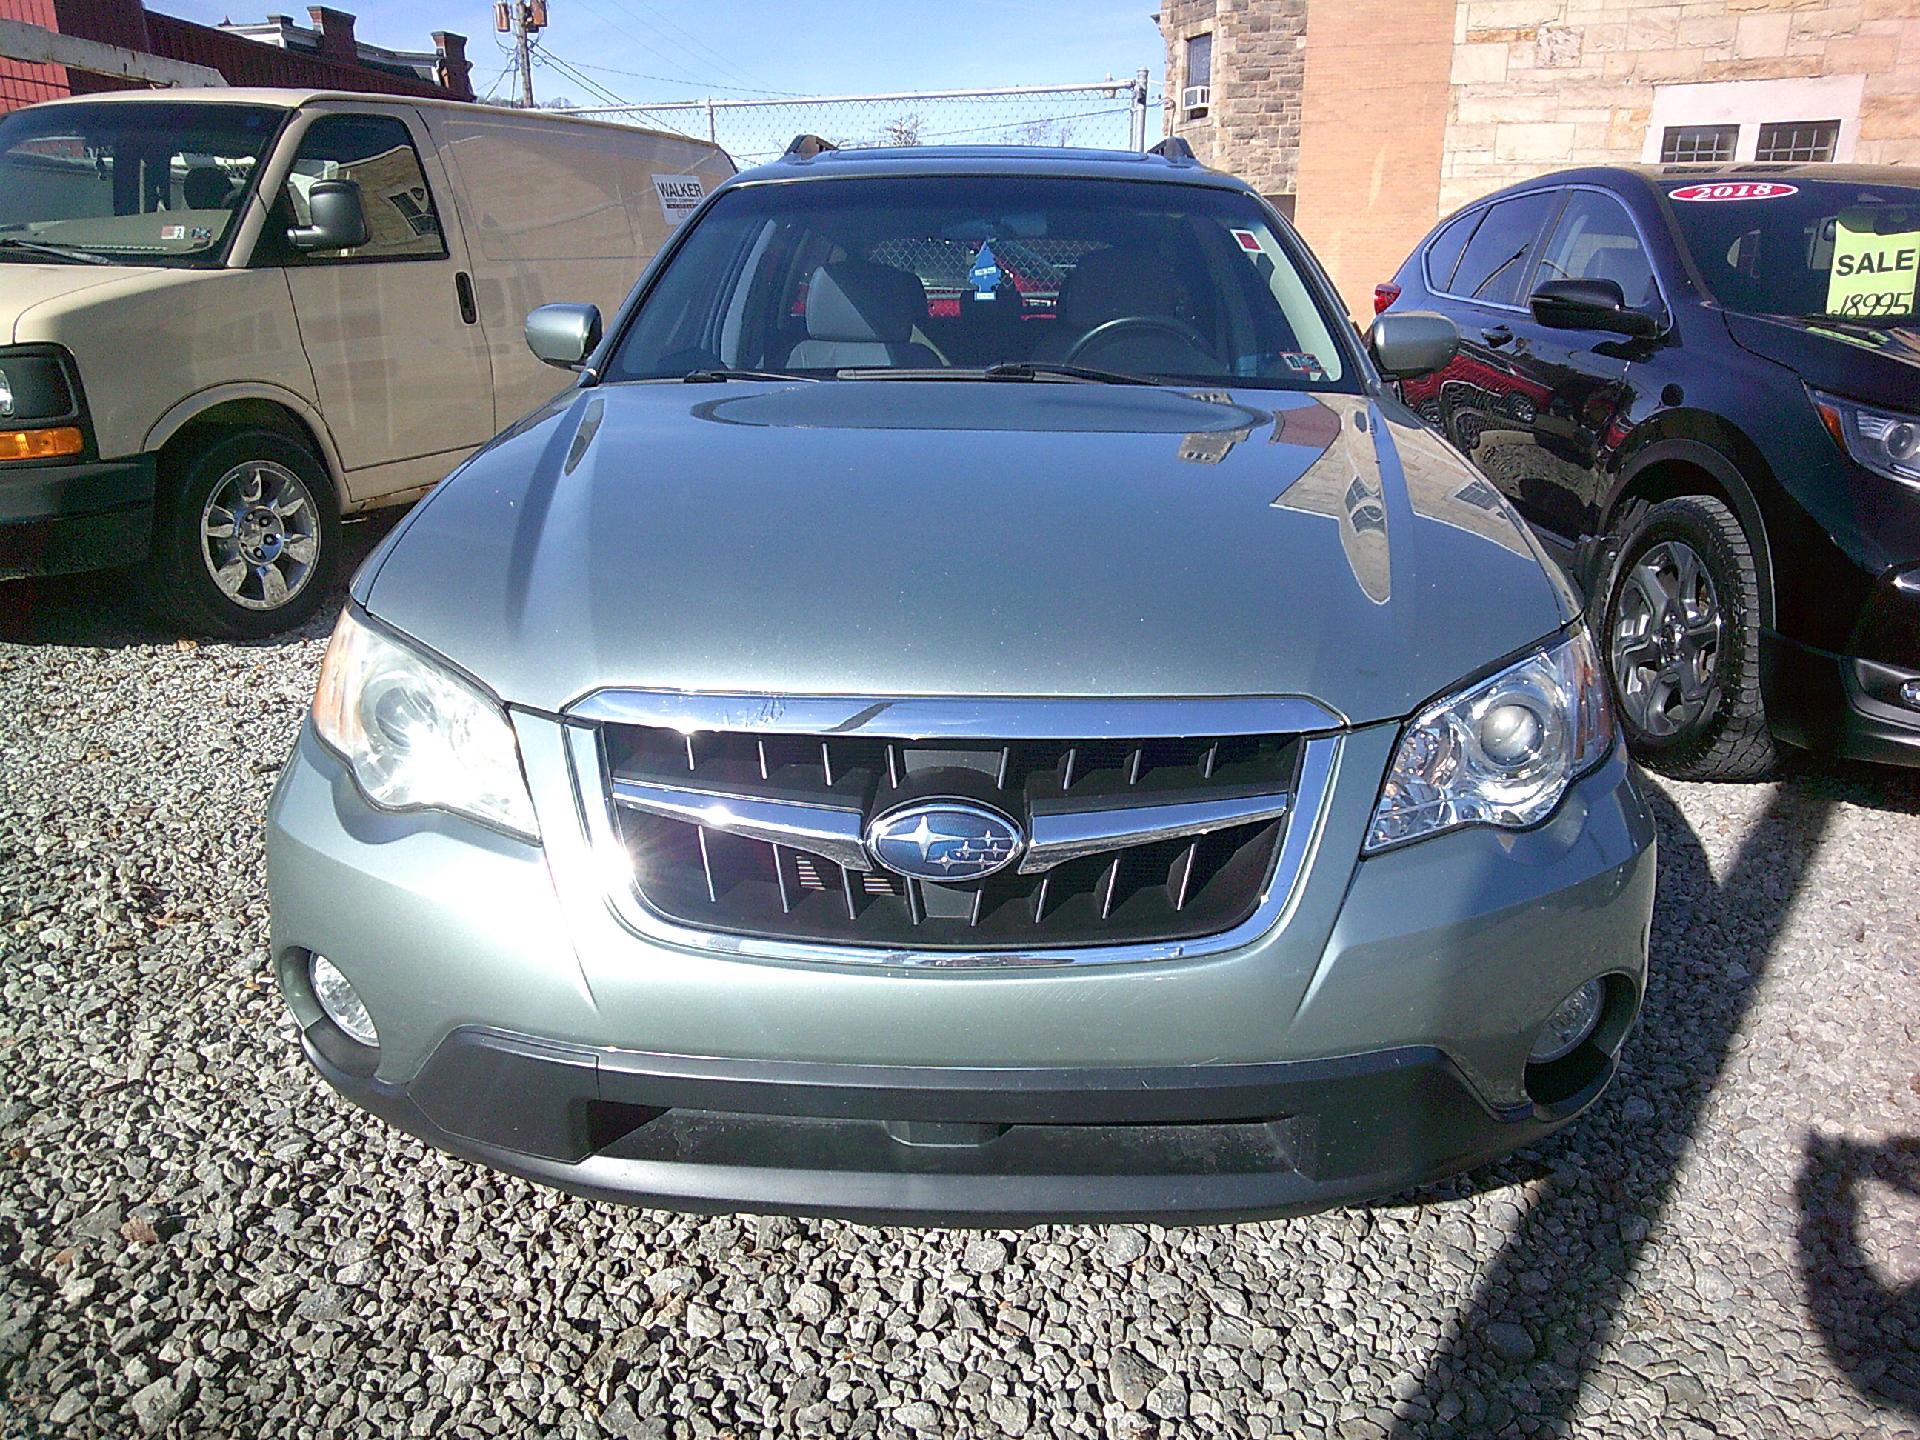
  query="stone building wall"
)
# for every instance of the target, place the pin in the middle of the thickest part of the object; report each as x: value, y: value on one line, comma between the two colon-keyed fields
x: 1541, y: 84
x: 1259, y: 58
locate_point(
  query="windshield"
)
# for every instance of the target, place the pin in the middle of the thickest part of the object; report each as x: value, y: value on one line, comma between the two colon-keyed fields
x: 1823, y: 248
x: 941, y: 277
x: 145, y: 183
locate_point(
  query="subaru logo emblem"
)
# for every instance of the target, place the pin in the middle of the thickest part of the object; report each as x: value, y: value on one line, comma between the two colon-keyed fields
x: 944, y: 840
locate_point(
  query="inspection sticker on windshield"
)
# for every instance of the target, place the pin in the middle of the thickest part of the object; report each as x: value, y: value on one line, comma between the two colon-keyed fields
x: 173, y: 232
x: 1248, y: 240
x: 680, y: 195
x: 1302, y: 363
x: 1872, y: 274
x: 1735, y: 190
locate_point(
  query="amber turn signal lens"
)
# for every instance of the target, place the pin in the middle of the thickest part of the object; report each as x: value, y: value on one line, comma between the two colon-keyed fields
x: 51, y: 444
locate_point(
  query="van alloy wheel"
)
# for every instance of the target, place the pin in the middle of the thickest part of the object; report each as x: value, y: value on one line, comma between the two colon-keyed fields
x: 260, y: 535
x: 1665, y: 646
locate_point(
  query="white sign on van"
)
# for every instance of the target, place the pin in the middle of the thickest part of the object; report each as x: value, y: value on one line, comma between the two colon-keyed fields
x: 680, y: 195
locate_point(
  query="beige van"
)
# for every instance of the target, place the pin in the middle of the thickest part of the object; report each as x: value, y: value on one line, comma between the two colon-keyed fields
x: 229, y: 317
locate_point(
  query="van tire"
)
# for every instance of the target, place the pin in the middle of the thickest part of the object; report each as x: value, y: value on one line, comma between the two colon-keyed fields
x: 1715, y: 728
x: 276, y: 562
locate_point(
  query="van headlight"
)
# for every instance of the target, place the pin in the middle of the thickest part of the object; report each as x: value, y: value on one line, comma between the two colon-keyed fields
x: 416, y: 735
x: 1501, y: 752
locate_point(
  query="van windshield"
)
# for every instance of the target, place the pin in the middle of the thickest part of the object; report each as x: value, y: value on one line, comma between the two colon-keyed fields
x: 939, y: 276
x: 141, y: 183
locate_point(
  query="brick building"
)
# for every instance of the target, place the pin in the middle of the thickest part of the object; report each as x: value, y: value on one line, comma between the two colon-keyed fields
x: 1369, y: 119
x: 325, y: 56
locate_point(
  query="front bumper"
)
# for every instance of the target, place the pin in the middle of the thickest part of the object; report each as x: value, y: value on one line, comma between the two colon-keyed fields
x: 56, y: 519
x: 1374, y: 1039
x: 979, y: 1147
x: 1840, y: 704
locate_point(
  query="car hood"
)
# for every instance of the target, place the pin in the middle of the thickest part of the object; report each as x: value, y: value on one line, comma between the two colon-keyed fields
x: 975, y: 538
x: 1878, y: 364
x: 27, y: 284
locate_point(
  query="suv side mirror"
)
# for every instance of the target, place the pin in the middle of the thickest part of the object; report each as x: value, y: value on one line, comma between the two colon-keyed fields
x: 337, y: 218
x: 564, y: 335
x: 1412, y: 342
x: 1589, y: 305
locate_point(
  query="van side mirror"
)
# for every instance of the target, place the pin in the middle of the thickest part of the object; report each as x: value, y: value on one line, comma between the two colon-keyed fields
x: 337, y: 218
x: 564, y: 335
x: 1589, y: 305
x: 1412, y: 342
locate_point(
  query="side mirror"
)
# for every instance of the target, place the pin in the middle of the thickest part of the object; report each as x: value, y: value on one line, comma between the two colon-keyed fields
x: 338, y: 219
x: 564, y: 335
x: 1589, y: 305
x: 1412, y: 342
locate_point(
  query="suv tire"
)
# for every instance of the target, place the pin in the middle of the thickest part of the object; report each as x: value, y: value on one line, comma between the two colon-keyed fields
x: 246, y: 536
x: 1681, y: 637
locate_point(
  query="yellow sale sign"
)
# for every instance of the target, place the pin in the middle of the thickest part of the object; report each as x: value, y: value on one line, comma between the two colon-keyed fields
x: 1872, y: 274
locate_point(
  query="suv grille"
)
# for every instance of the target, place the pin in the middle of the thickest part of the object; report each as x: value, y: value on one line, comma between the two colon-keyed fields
x: 1131, y: 840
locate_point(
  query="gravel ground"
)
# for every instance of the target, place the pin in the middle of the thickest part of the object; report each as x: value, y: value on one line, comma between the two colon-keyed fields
x: 198, y: 1239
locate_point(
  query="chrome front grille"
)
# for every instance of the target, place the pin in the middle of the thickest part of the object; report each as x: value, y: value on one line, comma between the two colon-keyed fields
x: 743, y: 819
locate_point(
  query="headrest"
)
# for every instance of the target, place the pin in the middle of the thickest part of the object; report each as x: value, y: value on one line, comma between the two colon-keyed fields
x: 1626, y: 267
x: 204, y: 188
x: 858, y: 300
x: 1125, y: 280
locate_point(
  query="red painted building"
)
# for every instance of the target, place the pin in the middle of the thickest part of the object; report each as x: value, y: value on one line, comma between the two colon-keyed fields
x: 335, y: 62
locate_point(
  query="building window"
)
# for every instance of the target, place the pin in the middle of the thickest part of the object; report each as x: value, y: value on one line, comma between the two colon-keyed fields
x: 1698, y: 144
x: 1198, y: 94
x: 1798, y: 140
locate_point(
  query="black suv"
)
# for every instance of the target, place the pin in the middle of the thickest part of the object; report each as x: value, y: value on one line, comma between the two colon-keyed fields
x: 1702, y: 387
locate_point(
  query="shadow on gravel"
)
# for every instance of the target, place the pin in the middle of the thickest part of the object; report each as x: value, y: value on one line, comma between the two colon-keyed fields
x: 1556, y: 1287
x: 1871, y: 1329
x: 106, y: 609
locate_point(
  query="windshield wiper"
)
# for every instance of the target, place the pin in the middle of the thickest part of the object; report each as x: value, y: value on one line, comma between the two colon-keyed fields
x: 718, y: 374
x: 59, y: 252
x: 1049, y: 370
x: 1005, y: 370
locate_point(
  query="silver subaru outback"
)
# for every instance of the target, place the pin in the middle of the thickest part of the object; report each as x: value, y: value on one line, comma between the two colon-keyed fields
x: 978, y: 706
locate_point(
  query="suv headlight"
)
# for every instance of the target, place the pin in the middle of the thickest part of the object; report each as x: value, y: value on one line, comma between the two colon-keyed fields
x: 1501, y: 752
x: 416, y: 735
x: 1885, y: 441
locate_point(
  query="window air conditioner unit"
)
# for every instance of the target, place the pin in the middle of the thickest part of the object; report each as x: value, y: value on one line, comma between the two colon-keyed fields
x: 1196, y: 97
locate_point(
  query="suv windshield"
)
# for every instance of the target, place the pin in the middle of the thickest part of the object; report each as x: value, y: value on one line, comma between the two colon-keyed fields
x: 932, y: 277
x: 145, y: 183
x: 1822, y: 248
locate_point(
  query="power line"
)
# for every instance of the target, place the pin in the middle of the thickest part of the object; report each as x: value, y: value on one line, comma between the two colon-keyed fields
x: 553, y: 62
x: 726, y: 66
x: 696, y: 84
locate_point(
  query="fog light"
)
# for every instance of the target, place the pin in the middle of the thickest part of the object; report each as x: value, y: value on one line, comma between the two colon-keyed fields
x: 341, y: 1001
x: 1910, y: 694
x: 1571, y: 1022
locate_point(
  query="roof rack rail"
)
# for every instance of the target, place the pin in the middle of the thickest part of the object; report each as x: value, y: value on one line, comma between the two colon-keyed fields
x: 804, y: 147
x: 1175, y: 151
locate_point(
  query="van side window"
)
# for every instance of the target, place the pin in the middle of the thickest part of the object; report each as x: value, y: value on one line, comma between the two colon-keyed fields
x: 377, y: 153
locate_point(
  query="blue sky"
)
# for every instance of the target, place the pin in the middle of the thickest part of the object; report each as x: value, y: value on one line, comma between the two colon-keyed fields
x: 840, y: 46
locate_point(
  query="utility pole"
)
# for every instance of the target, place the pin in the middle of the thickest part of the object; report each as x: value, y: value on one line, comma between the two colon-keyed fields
x: 525, y: 18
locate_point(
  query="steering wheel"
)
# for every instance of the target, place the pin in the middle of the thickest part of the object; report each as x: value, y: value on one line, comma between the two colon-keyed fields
x: 1165, y: 324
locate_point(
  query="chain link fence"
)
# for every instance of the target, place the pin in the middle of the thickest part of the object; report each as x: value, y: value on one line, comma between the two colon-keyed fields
x: 1104, y: 114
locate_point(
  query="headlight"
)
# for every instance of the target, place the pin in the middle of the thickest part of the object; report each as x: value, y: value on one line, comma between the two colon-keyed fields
x: 417, y: 735
x: 1885, y: 441
x: 1501, y: 753
x: 34, y: 387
